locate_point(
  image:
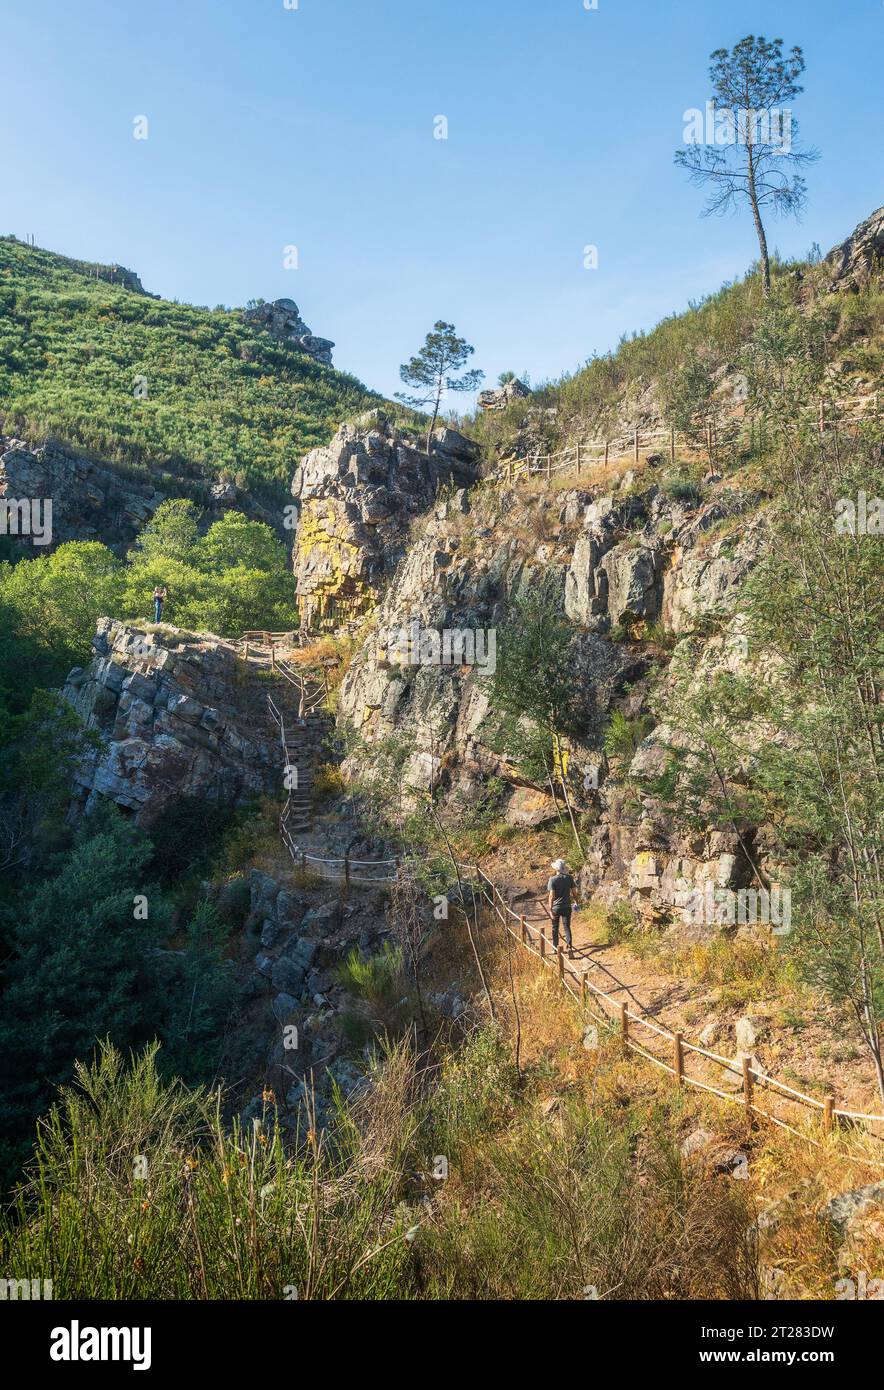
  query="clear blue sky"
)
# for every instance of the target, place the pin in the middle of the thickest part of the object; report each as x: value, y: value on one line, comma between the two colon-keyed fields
x: 314, y: 127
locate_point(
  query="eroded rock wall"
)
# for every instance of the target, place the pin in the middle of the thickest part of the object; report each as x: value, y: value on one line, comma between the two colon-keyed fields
x: 177, y: 715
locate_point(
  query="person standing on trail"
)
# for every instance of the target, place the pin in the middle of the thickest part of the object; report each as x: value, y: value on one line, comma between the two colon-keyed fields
x: 160, y: 594
x: 560, y: 894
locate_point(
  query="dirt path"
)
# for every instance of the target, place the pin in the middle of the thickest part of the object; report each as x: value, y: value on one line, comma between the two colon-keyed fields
x: 805, y: 1049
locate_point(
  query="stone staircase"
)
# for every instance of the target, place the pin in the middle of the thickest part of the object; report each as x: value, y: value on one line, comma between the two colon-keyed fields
x: 304, y: 739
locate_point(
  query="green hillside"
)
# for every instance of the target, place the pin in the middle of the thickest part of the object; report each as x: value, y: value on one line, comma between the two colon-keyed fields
x: 223, y: 399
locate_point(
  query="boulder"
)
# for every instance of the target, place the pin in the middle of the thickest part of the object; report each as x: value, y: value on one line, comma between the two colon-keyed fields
x: 287, y: 976
x: 282, y: 320
x: 499, y: 397
x: 842, y: 1210
x: 634, y: 583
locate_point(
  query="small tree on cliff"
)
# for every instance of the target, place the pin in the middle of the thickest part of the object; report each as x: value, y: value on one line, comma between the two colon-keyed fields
x: 753, y: 145
x: 429, y: 373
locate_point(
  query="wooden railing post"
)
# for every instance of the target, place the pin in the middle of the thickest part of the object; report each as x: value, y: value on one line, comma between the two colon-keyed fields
x: 635, y: 445
x: 828, y: 1114
x: 523, y: 931
x: 578, y: 458
x: 347, y: 870
x: 672, y: 444
x: 548, y: 467
x: 560, y: 952
x: 606, y: 452
x: 679, y: 1059
x: 583, y: 989
x: 624, y: 1026
x: 542, y: 943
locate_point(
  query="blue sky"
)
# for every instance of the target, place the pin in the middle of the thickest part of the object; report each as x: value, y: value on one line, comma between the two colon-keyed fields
x: 313, y: 127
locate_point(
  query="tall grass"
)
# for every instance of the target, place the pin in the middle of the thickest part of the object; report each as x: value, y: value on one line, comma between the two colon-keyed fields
x: 139, y: 1190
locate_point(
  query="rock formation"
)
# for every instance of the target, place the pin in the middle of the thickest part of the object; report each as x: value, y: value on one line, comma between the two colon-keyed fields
x: 357, y: 498
x: 498, y: 398
x: 176, y: 716
x: 854, y: 260
x: 282, y: 320
x: 622, y: 563
x: 90, y: 500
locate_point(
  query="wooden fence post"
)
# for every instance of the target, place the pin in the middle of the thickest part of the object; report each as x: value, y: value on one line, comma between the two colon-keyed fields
x: 578, y: 458
x: 347, y: 870
x: 672, y: 444
x: 679, y: 1060
x: 523, y: 931
x: 509, y: 471
x: 548, y: 467
x: 635, y: 445
x: 606, y: 452
x: 828, y: 1114
x: 822, y: 416
x: 624, y: 1026
x: 583, y: 989
x: 560, y: 952
x: 542, y: 943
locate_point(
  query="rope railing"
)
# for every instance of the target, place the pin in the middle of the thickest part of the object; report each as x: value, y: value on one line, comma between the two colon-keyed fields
x: 311, y: 693
x: 590, y: 452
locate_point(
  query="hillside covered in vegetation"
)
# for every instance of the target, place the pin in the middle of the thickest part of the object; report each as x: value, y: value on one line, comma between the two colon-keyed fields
x: 219, y: 397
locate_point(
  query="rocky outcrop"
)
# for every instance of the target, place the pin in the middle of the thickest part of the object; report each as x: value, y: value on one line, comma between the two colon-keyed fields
x: 854, y: 260
x: 90, y: 500
x: 499, y: 397
x: 357, y: 498
x: 282, y: 320
x: 634, y: 566
x: 176, y: 715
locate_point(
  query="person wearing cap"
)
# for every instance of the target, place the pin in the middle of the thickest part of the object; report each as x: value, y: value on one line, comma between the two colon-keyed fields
x: 560, y: 894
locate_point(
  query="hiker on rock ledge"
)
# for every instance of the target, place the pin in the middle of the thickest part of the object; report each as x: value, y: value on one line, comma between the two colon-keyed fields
x: 560, y: 894
x: 160, y: 594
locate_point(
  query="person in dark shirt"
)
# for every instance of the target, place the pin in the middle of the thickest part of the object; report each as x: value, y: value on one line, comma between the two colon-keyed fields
x: 560, y: 894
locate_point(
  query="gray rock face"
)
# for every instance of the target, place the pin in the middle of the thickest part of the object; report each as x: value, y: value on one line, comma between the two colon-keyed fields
x: 633, y: 583
x: 172, y: 723
x: 498, y: 398
x: 282, y: 320
x: 841, y: 1210
x: 287, y: 976
x: 357, y: 497
x: 854, y: 259
x: 90, y: 500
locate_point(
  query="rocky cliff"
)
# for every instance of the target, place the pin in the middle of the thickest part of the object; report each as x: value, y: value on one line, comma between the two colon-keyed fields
x: 177, y: 715
x: 90, y: 500
x: 357, y: 498
x: 634, y: 568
